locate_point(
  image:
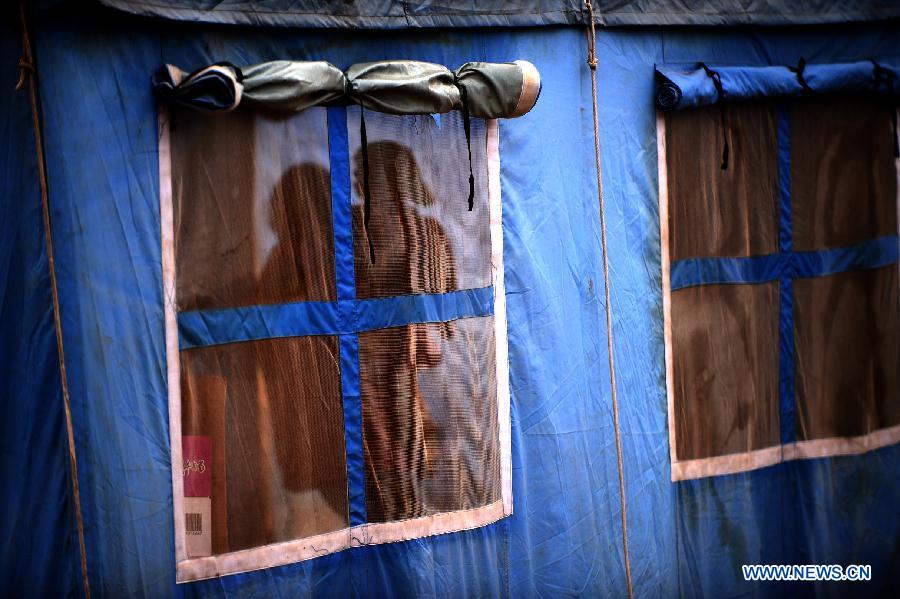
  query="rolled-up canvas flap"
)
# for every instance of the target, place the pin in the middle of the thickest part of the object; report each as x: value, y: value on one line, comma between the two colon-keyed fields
x: 491, y: 90
x: 698, y: 84
x: 292, y: 85
x: 499, y: 90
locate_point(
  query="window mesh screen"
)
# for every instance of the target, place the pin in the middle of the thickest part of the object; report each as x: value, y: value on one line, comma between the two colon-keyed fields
x: 252, y: 203
x: 847, y: 325
x: 372, y: 405
x: 724, y: 337
x: 715, y: 211
x: 843, y: 178
x: 785, y: 304
x: 273, y: 411
x: 429, y: 418
x: 847, y: 328
x: 428, y: 390
x: 425, y: 240
x: 726, y: 368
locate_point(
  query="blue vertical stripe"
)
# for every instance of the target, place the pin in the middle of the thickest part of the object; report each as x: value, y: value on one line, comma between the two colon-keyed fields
x: 786, y: 367
x: 341, y: 209
x: 345, y: 281
x: 785, y: 230
x: 356, y: 488
x: 786, y: 362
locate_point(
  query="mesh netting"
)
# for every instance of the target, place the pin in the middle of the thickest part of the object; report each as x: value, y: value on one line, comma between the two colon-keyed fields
x: 424, y: 238
x: 846, y: 326
x: 847, y: 331
x: 725, y: 340
x: 429, y: 418
x: 429, y: 390
x: 252, y: 203
x: 716, y: 212
x: 253, y: 225
x: 273, y: 410
x: 843, y: 178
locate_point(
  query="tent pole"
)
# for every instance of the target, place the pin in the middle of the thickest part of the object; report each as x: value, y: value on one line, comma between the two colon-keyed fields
x: 27, y: 73
x: 592, y: 63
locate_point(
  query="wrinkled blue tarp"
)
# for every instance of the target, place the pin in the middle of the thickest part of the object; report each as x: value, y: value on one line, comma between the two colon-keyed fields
x: 38, y: 552
x: 687, y: 538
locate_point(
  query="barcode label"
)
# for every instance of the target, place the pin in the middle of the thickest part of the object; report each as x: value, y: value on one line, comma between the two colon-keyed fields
x: 198, y: 526
x: 193, y: 524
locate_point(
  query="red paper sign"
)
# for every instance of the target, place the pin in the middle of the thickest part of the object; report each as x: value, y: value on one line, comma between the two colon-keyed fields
x: 196, y: 451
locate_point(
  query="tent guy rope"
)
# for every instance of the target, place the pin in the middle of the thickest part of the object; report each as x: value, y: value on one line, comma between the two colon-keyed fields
x: 592, y: 63
x: 27, y: 73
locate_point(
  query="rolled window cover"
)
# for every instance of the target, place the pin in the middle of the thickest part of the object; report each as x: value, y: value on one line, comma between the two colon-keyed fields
x: 694, y: 85
x: 490, y: 86
x: 403, y: 87
x: 491, y: 90
x: 292, y: 86
x: 216, y: 88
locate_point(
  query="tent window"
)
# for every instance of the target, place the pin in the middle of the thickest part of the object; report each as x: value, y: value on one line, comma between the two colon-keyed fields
x: 329, y: 395
x: 781, y: 291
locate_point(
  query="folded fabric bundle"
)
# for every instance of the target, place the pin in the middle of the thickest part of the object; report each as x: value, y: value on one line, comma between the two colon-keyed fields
x: 699, y: 84
x: 484, y: 90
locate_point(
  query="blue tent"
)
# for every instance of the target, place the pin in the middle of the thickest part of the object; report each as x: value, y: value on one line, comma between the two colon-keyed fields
x: 88, y: 500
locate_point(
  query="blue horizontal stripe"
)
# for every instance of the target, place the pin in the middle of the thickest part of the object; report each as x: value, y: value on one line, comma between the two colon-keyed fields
x: 715, y: 271
x: 871, y: 254
x: 793, y: 265
x: 213, y: 327
x: 407, y: 309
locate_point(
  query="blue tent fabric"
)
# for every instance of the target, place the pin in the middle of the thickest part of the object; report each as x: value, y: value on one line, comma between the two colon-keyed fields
x: 37, y: 524
x: 798, y: 512
x: 693, y: 85
x: 688, y: 538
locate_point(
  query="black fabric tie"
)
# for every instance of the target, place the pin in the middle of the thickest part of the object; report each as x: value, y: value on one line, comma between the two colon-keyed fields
x: 468, y: 131
x: 367, y: 193
x: 801, y: 79
x: 720, y: 99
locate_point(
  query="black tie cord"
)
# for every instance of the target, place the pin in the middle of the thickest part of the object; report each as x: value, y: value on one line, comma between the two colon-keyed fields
x: 720, y: 98
x: 883, y: 75
x: 468, y: 130
x: 367, y: 193
x: 798, y: 71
